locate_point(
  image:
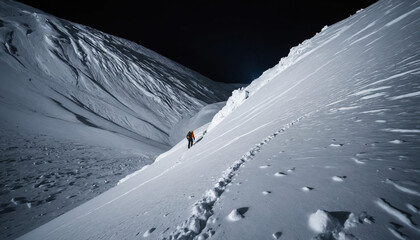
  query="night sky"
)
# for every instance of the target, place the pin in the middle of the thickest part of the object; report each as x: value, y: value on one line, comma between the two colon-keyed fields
x: 227, y: 41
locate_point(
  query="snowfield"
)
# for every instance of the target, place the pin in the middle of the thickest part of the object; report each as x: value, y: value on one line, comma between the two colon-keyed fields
x: 325, y: 145
x: 80, y: 110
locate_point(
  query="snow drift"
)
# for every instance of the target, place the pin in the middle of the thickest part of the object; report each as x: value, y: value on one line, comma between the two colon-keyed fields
x: 323, y: 146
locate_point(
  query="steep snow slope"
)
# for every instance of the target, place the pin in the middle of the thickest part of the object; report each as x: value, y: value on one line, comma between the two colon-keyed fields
x: 323, y: 145
x: 80, y: 109
x: 82, y: 76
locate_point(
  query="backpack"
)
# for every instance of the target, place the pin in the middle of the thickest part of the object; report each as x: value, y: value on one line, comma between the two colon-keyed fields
x: 189, y: 135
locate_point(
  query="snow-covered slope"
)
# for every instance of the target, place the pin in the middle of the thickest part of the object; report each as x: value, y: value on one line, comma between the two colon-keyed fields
x: 55, y: 69
x: 323, y: 145
x: 79, y: 110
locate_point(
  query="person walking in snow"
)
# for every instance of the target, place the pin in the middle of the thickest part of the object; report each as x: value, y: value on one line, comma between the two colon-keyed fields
x: 190, y: 137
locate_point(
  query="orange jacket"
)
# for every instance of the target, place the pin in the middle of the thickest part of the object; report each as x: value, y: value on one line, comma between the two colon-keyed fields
x: 192, y: 135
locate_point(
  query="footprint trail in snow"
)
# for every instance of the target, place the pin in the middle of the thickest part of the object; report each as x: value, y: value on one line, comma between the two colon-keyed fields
x: 203, y: 209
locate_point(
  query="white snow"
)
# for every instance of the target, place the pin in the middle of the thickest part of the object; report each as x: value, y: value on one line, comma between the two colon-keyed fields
x: 321, y: 221
x: 335, y: 225
x: 132, y: 174
x: 370, y: 90
x: 277, y: 235
x: 81, y: 109
x: 405, y: 189
x: 338, y: 178
x: 148, y: 232
x: 302, y: 114
x: 374, y: 95
x: 397, y: 234
x: 398, y: 214
x: 307, y: 189
x: 237, y: 98
x: 407, y: 95
x: 403, y: 16
x: 375, y: 111
x: 401, y: 130
x: 235, y: 215
x: 280, y: 174
x: 395, y: 76
x: 413, y: 208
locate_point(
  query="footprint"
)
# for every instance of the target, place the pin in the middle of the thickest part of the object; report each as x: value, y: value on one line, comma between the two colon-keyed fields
x: 266, y: 192
x: 397, y: 141
x: 277, y: 235
x: 148, y: 232
x: 280, y: 174
x: 237, y: 214
x: 338, y: 178
x: 336, y: 145
x: 307, y: 189
x: 265, y: 166
x: 291, y: 170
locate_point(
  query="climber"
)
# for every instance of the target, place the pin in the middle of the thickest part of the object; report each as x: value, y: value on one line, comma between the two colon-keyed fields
x: 190, y: 137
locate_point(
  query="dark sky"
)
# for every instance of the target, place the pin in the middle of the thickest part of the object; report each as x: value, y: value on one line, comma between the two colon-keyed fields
x: 227, y: 41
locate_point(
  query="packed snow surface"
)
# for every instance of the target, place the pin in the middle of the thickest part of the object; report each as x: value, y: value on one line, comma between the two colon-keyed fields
x: 336, y: 127
x: 80, y: 110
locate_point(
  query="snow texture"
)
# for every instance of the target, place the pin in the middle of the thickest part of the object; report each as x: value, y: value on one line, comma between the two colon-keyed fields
x: 316, y: 114
x: 81, y: 109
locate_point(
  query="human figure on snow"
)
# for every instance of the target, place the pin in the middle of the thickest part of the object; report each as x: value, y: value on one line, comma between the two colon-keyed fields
x: 190, y: 137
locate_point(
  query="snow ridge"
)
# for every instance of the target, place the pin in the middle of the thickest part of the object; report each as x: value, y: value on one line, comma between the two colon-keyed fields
x: 295, y: 55
x: 240, y: 95
x: 202, y: 210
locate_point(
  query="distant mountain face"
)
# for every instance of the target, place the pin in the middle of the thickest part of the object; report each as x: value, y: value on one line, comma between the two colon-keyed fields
x: 55, y: 72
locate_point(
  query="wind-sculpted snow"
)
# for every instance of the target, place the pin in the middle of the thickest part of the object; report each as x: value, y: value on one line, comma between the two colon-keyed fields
x: 346, y: 169
x: 113, y: 83
x: 64, y: 85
